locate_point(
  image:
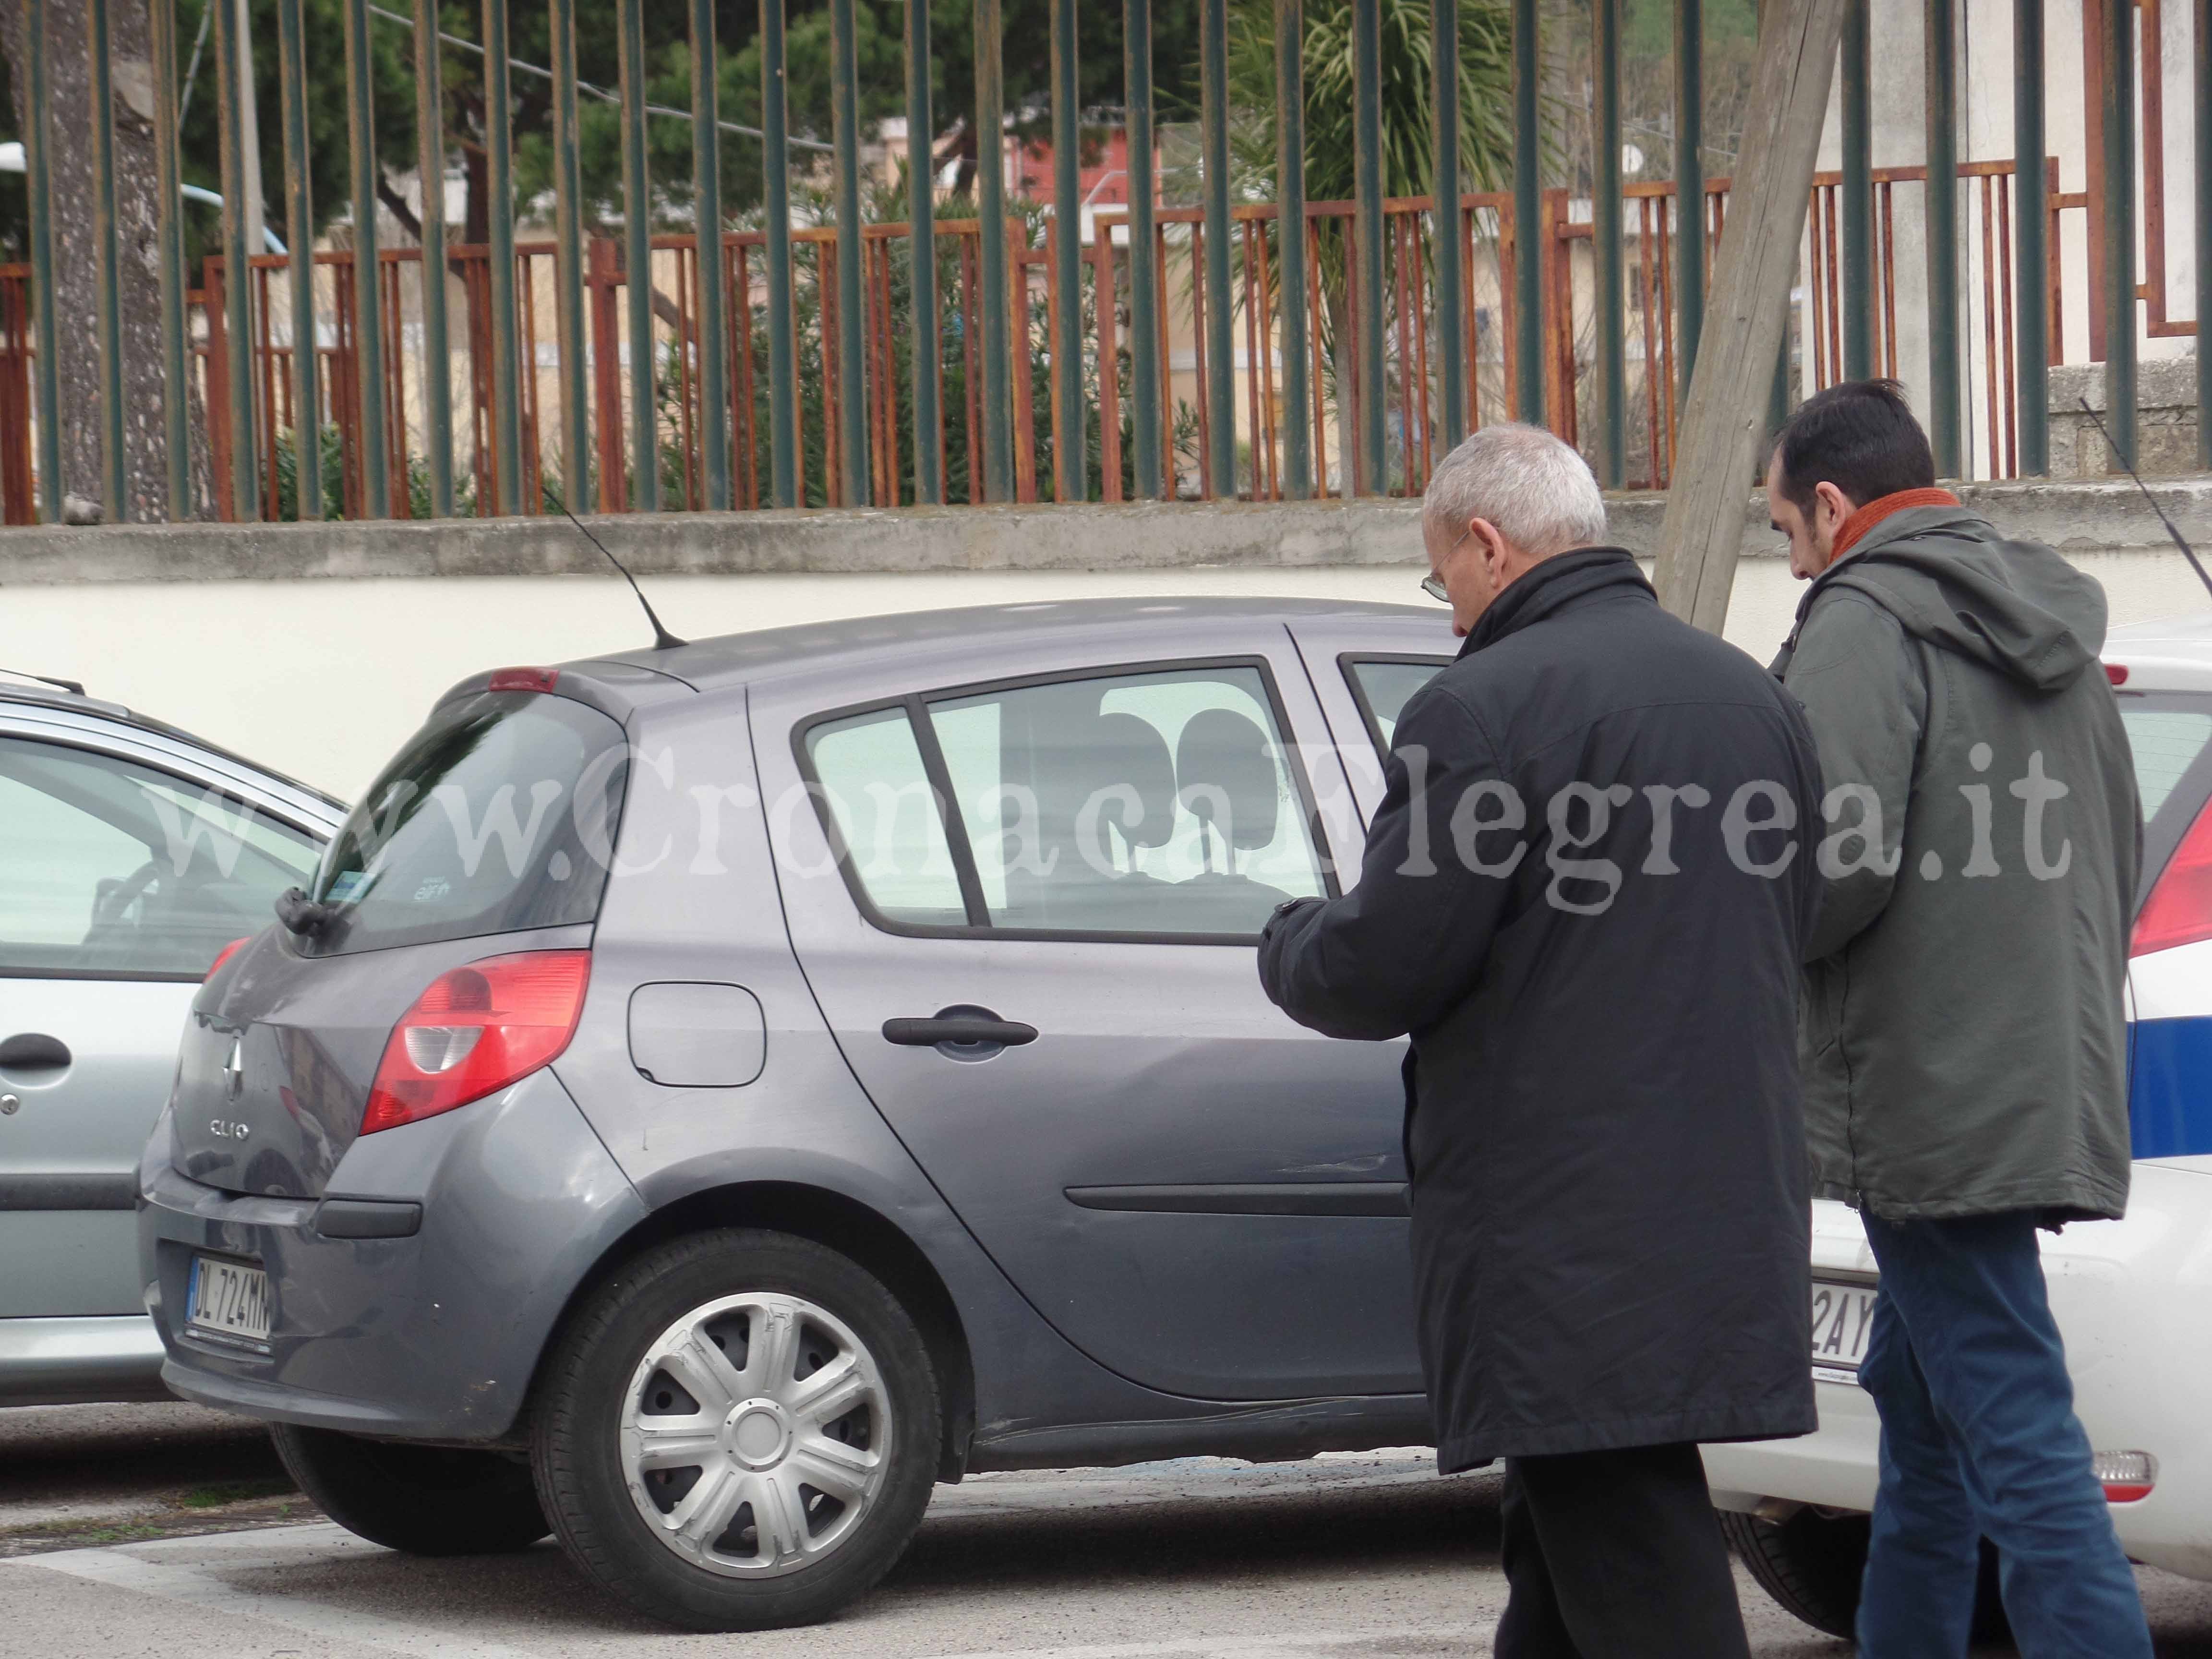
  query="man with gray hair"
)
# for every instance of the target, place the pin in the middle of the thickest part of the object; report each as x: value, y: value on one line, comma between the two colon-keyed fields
x: 1582, y: 897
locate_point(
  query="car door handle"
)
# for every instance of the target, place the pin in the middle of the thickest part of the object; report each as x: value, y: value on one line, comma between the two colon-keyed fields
x: 34, y: 1051
x: 970, y: 1029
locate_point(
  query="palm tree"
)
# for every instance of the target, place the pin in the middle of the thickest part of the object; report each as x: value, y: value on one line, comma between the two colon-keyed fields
x: 1485, y: 81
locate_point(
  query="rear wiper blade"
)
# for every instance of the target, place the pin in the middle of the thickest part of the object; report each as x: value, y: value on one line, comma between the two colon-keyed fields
x: 301, y: 914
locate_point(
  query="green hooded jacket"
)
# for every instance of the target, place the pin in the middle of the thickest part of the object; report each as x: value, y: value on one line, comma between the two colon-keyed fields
x: 1962, y: 1035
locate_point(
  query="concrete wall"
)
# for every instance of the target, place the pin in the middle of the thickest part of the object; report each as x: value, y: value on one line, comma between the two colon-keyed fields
x: 317, y: 648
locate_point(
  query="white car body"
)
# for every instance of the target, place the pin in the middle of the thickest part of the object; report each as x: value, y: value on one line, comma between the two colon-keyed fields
x: 2129, y: 1296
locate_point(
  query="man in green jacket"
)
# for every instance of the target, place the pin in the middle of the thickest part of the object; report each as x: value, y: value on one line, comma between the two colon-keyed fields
x: 1962, y: 1038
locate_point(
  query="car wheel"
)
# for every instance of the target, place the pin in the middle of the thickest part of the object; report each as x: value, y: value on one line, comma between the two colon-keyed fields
x: 426, y: 1500
x: 1812, y: 1564
x: 739, y: 1431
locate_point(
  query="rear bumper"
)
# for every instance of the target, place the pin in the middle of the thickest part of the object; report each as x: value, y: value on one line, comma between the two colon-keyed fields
x: 433, y: 1336
x: 2127, y: 1296
x: 70, y: 1362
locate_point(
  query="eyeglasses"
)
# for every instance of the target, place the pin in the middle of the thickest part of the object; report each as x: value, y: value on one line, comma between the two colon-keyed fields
x: 1432, y: 584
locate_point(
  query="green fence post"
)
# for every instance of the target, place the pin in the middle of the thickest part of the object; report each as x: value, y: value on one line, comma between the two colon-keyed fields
x: 1445, y: 220
x: 1071, y: 470
x: 2119, y: 114
x: 637, y: 264
x: 300, y: 271
x: 852, y: 335
x: 367, y: 290
x: 579, y: 490
x: 2030, y: 218
x: 1689, y: 188
x: 1942, y: 191
x: 991, y: 262
x: 1291, y: 245
x: 499, y: 171
x: 1527, y: 217
x: 114, y: 485
x: 1220, y: 333
x: 775, y: 188
x: 1145, y: 391
x: 706, y: 220
x: 176, y: 406
x: 430, y: 169
x: 38, y: 182
x: 921, y: 184
x: 2202, y: 41
x: 238, y: 291
x: 1857, y: 194
x: 1367, y: 219
x: 1605, y: 213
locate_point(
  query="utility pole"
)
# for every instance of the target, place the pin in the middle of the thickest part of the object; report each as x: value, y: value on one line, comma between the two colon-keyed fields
x: 1726, y: 408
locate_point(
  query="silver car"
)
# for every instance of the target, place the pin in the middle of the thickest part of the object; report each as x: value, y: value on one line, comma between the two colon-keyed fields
x: 130, y: 855
x: 706, y: 1095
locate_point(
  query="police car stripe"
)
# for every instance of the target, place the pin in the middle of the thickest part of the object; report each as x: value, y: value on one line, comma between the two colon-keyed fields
x: 2170, y: 1086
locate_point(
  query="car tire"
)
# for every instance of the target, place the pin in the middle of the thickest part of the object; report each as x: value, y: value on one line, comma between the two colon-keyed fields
x: 425, y: 1500
x: 1812, y: 1564
x: 694, y: 1401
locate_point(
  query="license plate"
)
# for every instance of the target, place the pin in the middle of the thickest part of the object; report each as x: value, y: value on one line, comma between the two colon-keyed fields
x: 228, y: 1301
x: 1843, y: 1315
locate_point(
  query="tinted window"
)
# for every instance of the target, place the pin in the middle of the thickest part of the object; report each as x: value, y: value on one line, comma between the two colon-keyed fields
x: 871, y: 775
x: 2165, y: 743
x: 108, y: 867
x: 1146, y: 804
x: 498, y: 815
x: 1384, y: 689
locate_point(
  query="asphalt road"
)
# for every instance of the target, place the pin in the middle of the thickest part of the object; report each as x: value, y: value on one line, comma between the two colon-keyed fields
x: 164, y: 1531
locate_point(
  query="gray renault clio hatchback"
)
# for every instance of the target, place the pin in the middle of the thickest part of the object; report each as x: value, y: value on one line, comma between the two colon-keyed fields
x: 709, y: 1095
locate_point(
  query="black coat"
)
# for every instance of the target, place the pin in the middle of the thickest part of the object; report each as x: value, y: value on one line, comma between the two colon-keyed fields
x: 1609, y: 1207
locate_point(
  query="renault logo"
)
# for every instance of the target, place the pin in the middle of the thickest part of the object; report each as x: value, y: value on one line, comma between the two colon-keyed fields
x: 233, y: 1068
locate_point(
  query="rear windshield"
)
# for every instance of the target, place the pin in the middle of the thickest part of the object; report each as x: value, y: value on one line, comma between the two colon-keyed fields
x: 497, y: 816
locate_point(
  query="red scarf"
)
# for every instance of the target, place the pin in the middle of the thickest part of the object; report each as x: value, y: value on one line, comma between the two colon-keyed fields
x: 1866, y: 518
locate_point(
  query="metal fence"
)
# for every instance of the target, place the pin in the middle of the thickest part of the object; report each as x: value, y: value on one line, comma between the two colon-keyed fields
x: 1184, y: 350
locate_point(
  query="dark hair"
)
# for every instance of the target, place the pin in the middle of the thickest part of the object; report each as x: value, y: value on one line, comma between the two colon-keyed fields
x: 1859, y: 436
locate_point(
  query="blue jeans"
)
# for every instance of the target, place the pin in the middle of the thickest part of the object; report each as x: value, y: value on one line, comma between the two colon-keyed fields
x: 1980, y: 1439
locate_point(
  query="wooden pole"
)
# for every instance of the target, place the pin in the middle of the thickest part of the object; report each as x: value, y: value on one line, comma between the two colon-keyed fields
x: 1718, y: 445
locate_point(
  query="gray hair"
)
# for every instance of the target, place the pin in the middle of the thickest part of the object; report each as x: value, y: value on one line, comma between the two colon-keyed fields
x: 1534, y: 487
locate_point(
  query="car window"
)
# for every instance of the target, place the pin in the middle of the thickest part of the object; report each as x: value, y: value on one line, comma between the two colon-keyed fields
x: 497, y: 816
x: 113, y: 869
x: 2165, y: 743
x: 870, y: 776
x: 1153, y: 804
x: 1384, y: 689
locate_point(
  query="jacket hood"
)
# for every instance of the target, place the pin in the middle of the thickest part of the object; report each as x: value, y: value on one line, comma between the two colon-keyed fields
x: 1949, y: 578
x: 1557, y: 582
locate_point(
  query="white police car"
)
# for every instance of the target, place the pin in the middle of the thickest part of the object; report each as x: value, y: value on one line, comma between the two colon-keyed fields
x: 2128, y: 1295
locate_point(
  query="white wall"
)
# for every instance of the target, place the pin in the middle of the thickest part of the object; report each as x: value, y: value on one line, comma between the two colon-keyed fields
x: 324, y: 679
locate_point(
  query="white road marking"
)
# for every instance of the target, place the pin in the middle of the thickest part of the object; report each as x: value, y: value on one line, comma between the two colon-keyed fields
x: 140, y: 1567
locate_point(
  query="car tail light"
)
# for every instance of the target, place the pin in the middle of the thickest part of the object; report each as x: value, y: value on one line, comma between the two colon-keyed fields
x: 225, y: 955
x: 2117, y: 672
x: 476, y: 1030
x: 523, y: 679
x: 2180, y: 908
x: 2127, y: 1477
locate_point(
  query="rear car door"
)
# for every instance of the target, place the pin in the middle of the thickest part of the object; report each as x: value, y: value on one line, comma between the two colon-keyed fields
x: 123, y: 871
x: 1029, y: 908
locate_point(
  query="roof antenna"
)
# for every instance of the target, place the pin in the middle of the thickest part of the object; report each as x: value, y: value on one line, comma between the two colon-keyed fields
x: 662, y: 639
x: 2189, y: 552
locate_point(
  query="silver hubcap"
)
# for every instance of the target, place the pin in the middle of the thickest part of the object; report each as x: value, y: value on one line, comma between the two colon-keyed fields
x: 755, y: 1434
